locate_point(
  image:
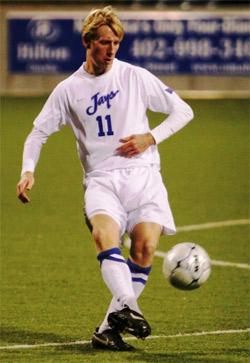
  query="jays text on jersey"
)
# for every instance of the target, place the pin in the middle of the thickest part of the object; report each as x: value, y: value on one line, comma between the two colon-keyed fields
x: 103, y: 109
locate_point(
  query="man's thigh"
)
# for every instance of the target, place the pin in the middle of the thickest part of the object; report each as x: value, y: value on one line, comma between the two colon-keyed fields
x: 100, y: 199
x: 151, y: 205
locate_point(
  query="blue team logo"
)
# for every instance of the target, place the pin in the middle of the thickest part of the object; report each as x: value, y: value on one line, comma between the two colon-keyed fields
x: 98, y: 100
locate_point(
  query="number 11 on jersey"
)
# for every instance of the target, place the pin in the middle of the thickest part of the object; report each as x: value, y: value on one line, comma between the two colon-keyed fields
x: 107, y: 125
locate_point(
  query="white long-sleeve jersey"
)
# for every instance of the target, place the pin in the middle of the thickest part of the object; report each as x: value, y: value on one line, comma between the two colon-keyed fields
x: 102, y: 110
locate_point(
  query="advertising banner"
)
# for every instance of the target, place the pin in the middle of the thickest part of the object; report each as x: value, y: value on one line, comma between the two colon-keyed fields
x: 163, y: 42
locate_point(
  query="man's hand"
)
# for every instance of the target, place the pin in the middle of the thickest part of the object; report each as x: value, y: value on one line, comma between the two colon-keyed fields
x: 135, y: 144
x: 25, y: 184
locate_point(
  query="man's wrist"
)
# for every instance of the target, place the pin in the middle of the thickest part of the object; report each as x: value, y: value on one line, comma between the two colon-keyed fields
x: 27, y: 174
x: 151, y: 139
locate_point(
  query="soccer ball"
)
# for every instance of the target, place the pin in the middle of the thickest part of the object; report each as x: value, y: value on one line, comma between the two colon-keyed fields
x: 186, y: 266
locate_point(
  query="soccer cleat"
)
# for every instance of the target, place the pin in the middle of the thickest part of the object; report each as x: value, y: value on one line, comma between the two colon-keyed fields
x: 130, y: 321
x: 110, y: 339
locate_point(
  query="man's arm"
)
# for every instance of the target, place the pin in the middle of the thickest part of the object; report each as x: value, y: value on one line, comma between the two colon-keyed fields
x: 179, y: 116
x: 159, y: 97
x: 51, y: 119
x: 31, y: 153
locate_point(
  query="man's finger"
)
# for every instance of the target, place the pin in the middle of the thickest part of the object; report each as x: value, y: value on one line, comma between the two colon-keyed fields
x: 125, y: 146
x: 24, y: 198
x: 125, y: 149
x: 21, y: 186
x: 125, y: 139
x: 22, y: 190
x: 24, y: 186
x: 30, y: 184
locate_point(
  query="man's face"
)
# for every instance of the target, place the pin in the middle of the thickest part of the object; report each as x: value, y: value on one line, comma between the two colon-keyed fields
x: 102, y: 51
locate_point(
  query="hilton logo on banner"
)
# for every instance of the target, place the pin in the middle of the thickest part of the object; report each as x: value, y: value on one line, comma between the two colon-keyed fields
x: 42, y: 46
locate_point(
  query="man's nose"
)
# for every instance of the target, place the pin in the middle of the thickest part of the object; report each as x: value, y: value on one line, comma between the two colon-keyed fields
x: 111, y: 48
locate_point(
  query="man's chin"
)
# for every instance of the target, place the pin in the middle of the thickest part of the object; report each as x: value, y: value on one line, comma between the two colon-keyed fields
x: 105, y: 66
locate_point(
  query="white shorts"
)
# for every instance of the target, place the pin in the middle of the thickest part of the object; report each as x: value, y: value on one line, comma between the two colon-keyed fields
x: 130, y: 196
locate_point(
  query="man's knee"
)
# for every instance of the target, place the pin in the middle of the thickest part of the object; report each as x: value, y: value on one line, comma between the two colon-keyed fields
x: 145, y: 237
x: 105, y: 232
x: 100, y: 234
x: 142, y: 252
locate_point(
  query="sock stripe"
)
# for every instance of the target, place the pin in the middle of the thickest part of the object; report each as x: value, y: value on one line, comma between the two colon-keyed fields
x: 138, y: 279
x: 115, y: 259
x: 105, y: 254
x: 134, y: 268
x: 141, y: 276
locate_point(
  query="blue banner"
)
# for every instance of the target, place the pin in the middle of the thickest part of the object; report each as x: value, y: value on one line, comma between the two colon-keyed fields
x: 164, y: 43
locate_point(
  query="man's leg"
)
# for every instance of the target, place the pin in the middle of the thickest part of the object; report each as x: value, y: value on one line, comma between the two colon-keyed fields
x: 139, y: 279
x: 114, y: 269
x: 117, y: 276
x: 145, y: 237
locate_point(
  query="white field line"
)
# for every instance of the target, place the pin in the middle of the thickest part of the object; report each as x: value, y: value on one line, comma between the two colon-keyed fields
x: 197, y: 227
x: 196, y: 334
x: 214, y: 262
x: 83, y: 342
x: 210, y: 225
x: 230, y: 264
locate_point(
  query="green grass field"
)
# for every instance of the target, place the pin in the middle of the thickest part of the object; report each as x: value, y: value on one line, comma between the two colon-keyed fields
x: 51, y: 287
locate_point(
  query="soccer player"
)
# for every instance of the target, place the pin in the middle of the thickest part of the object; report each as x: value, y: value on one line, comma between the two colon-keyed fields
x: 105, y: 103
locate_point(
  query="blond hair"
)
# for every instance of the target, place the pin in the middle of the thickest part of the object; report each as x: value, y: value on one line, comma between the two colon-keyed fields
x: 99, y: 17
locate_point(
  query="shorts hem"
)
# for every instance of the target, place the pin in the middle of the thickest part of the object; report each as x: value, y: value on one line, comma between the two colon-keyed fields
x: 166, y: 230
x: 122, y: 229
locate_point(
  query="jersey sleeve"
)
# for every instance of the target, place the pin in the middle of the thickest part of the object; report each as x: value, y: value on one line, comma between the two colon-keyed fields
x: 52, y: 118
x: 161, y: 98
x: 54, y: 113
x: 32, y: 148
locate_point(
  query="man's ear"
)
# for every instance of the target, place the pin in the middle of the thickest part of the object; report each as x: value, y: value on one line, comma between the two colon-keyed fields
x: 84, y: 43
